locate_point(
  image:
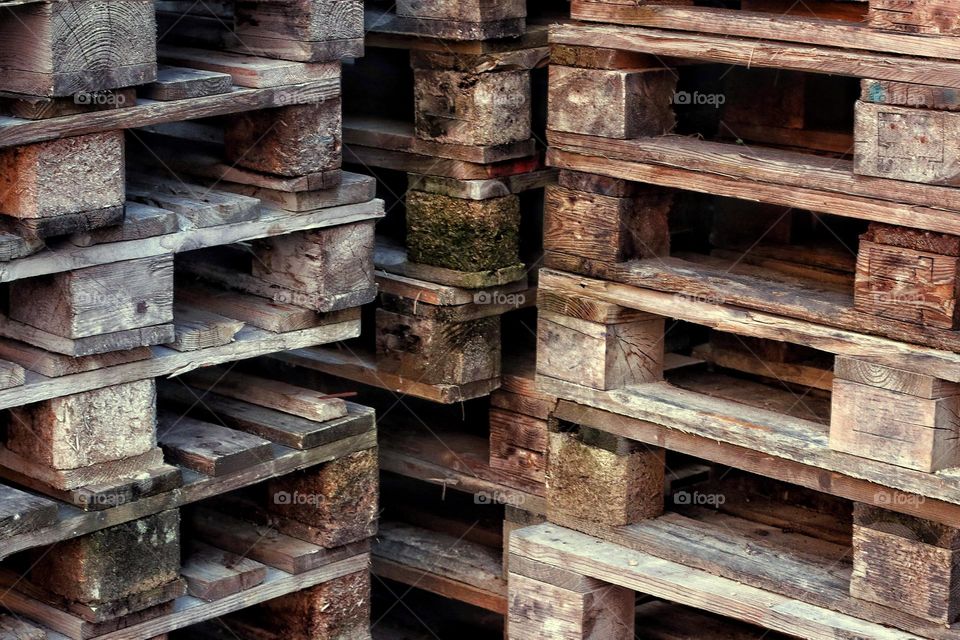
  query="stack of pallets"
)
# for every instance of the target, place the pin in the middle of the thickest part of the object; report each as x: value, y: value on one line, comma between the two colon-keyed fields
x: 168, y: 221
x: 443, y: 110
x: 754, y: 264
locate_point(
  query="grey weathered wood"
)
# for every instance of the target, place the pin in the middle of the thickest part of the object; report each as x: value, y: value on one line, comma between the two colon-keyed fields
x: 209, y: 448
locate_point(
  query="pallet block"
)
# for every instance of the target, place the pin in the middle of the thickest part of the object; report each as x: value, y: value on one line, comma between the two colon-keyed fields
x: 518, y: 443
x: 333, y: 264
x: 915, y: 16
x: 600, y: 346
x: 338, y: 608
x: 467, y: 100
x: 76, y: 175
x: 104, y: 299
x: 304, y: 30
x: 288, y: 141
x: 895, y: 416
x: 606, y: 220
x: 114, y: 563
x: 332, y: 504
x: 94, y: 427
x: 44, y: 54
x: 906, y: 563
x: 434, y: 351
x: 462, y: 234
x: 551, y: 602
x: 909, y: 275
x: 611, y: 103
x: 905, y: 143
x: 601, y: 479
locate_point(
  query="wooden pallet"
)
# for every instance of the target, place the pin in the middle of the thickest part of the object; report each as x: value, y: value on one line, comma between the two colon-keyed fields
x: 293, y: 445
x: 434, y: 341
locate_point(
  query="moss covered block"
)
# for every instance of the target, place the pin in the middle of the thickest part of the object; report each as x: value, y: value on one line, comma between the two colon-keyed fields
x: 337, y: 501
x: 465, y: 235
x: 113, y: 563
x: 594, y: 484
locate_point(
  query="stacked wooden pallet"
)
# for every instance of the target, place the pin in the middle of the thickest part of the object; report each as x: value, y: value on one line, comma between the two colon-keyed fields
x: 821, y: 290
x: 443, y: 110
x: 159, y: 220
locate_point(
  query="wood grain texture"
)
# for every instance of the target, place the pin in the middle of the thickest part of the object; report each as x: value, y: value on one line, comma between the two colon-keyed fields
x: 612, y: 103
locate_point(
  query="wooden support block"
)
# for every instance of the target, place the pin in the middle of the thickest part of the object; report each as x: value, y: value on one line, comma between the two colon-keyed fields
x: 612, y: 103
x: 210, y: 449
x: 898, y: 380
x: 65, y: 176
x: 470, y: 108
x: 113, y: 563
x: 543, y: 610
x: 288, y: 141
x: 906, y: 284
x: 590, y: 483
x: 179, y: 83
x: 59, y: 49
x: 915, y: 16
x: 331, y: 263
x: 83, y: 429
x: 597, y: 355
x: 895, y: 416
x: 330, y: 505
x: 437, y: 352
x: 903, y: 143
x: 906, y: 563
x: 518, y: 444
x: 107, y: 298
x: 213, y: 573
x: 307, y: 30
x: 22, y: 512
x: 465, y: 235
x: 338, y: 608
x: 273, y: 394
x: 606, y: 228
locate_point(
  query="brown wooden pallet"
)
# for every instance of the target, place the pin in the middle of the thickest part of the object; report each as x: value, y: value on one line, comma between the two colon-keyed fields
x: 191, y: 610
x: 662, y: 403
x: 456, y: 355
x: 879, y: 26
x: 258, y: 83
x: 597, y: 580
x: 344, y: 437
